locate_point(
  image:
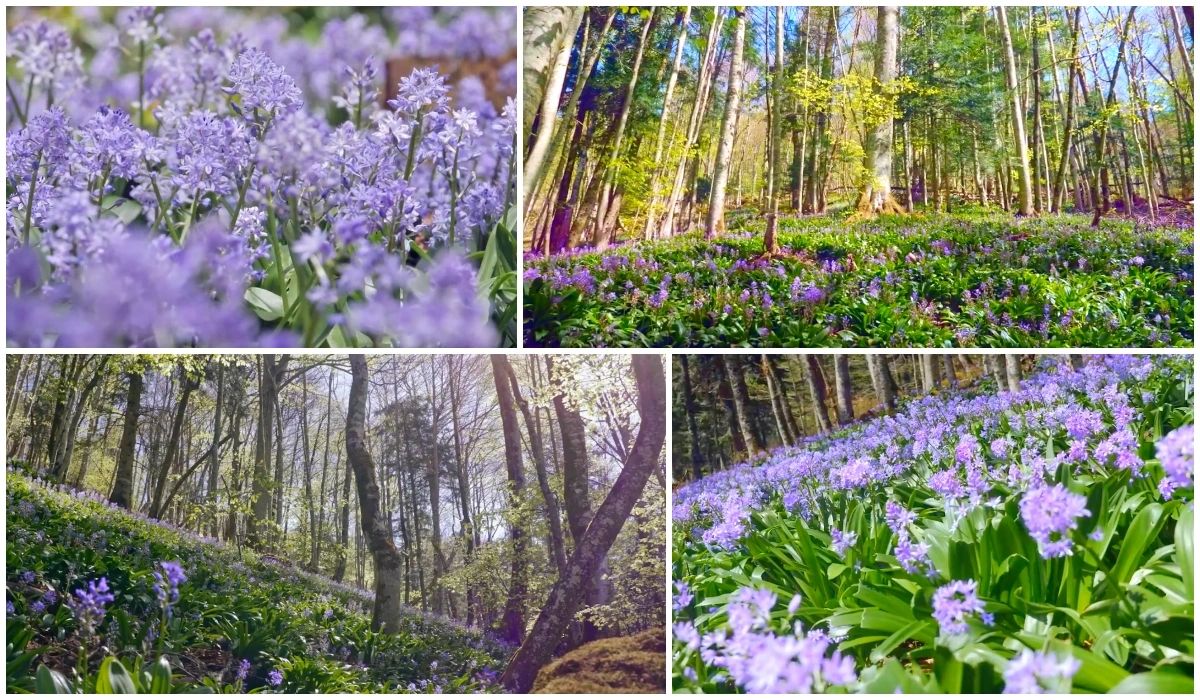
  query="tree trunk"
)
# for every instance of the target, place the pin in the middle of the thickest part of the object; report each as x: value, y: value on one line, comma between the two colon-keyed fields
x: 1101, y: 154
x: 1056, y: 197
x: 558, y: 39
x: 271, y: 372
x: 929, y: 373
x: 1025, y: 201
x: 609, y: 203
x: 741, y: 405
x: 545, y: 30
x: 1012, y: 371
x: 877, y: 194
x: 770, y: 242
x: 385, y: 616
x: 843, y: 389
x: 513, y: 630
x: 122, y: 491
x: 164, y: 469
x: 881, y: 377
x: 689, y: 407
x: 818, y: 390
x: 672, y: 81
x: 568, y: 592
x: 716, y: 209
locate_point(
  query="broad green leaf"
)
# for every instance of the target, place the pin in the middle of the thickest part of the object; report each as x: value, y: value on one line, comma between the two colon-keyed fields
x: 266, y: 304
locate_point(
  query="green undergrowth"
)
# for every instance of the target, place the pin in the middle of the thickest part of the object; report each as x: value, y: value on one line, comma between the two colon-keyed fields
x: 240, y: 623
x: 973, y: 278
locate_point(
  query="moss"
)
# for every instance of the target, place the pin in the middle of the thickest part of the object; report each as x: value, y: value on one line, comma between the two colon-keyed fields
x: 634, y: 664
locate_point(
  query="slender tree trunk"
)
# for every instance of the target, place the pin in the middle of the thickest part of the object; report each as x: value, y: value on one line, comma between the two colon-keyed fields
x: 1056, y: 199
x: 741, y: 405
x: 164, y: 469
x: 122, y: 491
x: 770, y: 243
x: 513, y: 629
x: 1102, y: 164
x: 1025, y: 202
x: 844, y: 390
x: 689, y: 407
x: 716, y: 209
x: 818, y: 391
x: 608, y: 204
x: 659, y: 142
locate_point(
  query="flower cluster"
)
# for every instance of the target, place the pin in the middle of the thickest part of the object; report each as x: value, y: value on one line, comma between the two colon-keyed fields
x: 759, y: 659
x: 1036, y: 672
x: 226, y: 191
x: 1050, y: 514
x: 1177, y: 454
x: 89, y: 604
x: 953, y: 603
x: 166, y: 584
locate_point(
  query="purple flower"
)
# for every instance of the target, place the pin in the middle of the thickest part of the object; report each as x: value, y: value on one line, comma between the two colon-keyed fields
x: 243, y: 670
x: 1176, y: 453
x: 275, y: 678
x: 1039, y: 672
x: 262, y: 85
x: 422, y: 91
x: 45, y: 57
x: 683, y: 596
x: 952, y: 603
x: 43, y: 142
x: 166, y: 583
x: 88, y: 604
x: 1049, y: 513
x: 842, y: 541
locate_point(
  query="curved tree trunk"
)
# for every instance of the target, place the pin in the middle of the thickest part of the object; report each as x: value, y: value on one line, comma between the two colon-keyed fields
x: 385, y: 616
x: 568, y: 592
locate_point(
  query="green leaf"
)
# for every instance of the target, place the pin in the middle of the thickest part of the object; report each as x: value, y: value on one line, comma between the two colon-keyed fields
x: 50, y: 681
x: 1185, y: 554
x: 266, y: 304
x: 1156, y: 682
x: 113, y: 678
x: 160, y: 676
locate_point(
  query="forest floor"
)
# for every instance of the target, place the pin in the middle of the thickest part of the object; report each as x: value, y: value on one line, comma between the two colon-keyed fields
x: 236, y: 623
x: 973, y: 278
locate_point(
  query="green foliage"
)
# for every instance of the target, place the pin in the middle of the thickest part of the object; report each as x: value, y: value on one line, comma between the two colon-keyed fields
x: 233, y: 607
x: 977, y: 278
